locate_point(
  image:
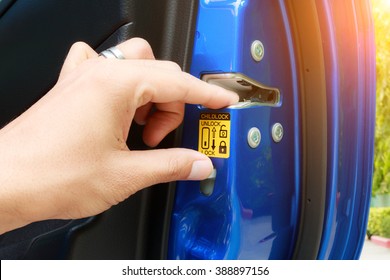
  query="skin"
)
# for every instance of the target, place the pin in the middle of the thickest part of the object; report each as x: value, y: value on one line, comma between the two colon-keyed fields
x: 66, y: 157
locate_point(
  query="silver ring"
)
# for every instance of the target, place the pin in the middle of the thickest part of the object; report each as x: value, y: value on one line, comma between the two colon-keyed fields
x: 112, y: 52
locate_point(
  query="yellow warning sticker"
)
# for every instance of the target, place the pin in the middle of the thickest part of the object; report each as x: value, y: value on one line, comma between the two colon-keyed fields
x: 214, y: 134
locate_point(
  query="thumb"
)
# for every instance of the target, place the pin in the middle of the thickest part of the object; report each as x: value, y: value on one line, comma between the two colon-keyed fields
x: 145, y: 168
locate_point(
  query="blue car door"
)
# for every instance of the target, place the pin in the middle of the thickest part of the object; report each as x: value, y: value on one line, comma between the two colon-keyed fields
x: 305, y: 72
x: 292, y: 160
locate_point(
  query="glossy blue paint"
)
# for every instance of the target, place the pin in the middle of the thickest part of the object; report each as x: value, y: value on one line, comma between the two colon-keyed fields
x: 347, y: 32
x: 254, y: 210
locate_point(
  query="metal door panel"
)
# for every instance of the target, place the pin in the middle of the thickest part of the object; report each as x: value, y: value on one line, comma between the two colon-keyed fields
x: 307, y: 196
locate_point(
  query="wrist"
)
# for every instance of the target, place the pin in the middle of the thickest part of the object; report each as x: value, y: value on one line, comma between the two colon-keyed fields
x: 14, y: 200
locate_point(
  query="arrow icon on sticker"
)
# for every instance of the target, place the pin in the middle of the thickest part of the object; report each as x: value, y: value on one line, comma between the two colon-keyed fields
x: 213, y: 146
x: 213, y: 131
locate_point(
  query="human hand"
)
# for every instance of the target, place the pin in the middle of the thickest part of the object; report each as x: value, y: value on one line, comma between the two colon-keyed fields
x: 66, y: 157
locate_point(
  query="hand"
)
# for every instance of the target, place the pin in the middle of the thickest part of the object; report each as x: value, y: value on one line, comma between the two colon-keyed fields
x: 66, y: 157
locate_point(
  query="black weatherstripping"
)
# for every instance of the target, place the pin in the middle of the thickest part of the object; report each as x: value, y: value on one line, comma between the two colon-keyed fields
x: 312, y: 85
x: 5, y: 5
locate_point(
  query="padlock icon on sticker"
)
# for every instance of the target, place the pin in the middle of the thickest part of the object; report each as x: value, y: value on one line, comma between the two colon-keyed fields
x: 223, y: 132
x: 222, y: 147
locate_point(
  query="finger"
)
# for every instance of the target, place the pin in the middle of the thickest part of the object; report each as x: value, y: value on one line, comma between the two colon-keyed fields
x: 152, y: 84
x: 136, y: 170
x: 183, y: 87
x: 142, y: 113
x: 136, y: 48
x: 166, y: 118
x: 78, y: 53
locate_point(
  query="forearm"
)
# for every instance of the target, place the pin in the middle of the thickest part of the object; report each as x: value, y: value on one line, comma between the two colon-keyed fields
x: 34, y: 174
x: 10, y: 200
x: 23, y: 194
x: 9, y: 219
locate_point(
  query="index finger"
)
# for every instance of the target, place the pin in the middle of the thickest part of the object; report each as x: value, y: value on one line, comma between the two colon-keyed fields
x: 195, y: 91
x: 159, y: 84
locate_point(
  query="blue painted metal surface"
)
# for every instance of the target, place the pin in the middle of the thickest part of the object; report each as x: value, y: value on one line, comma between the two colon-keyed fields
x: 253, y: 211
x: 349, y: 53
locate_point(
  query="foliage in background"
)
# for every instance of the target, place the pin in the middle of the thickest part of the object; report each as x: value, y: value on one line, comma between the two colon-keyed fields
x: 379, y: 222
x: 381, y: 177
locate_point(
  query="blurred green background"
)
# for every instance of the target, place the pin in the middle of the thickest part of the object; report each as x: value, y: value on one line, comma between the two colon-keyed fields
x: 379, y: 220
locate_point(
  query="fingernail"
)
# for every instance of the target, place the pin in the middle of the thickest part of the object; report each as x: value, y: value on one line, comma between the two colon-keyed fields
x: 201, y: 169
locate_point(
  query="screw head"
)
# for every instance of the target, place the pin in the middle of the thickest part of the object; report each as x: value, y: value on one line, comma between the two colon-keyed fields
x: 277, y: 132
x: 254, y: 137
x: 257, y: 50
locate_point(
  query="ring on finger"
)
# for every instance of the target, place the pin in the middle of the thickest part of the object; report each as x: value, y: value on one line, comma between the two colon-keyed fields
x: 112, y: 52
